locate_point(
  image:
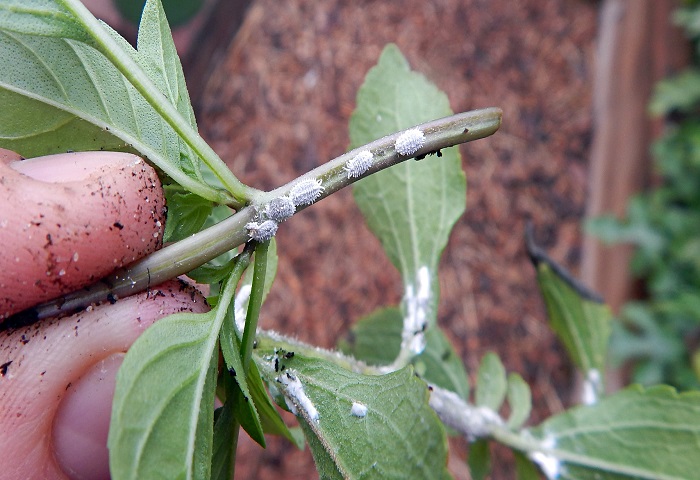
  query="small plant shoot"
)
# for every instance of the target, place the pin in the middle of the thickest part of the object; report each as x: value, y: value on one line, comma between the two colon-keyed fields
x: 381, y: 406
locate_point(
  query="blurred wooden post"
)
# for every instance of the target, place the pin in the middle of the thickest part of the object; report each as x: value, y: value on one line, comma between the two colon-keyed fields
x: 637, y: 46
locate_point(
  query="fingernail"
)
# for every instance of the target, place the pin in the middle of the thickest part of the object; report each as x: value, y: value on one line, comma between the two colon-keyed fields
x: 70, y: 167
x: 81, y: 424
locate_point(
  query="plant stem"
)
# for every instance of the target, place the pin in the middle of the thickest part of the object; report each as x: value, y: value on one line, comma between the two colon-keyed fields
x: 187, y: 254
x: 254, y: 303
x: 442, y: 133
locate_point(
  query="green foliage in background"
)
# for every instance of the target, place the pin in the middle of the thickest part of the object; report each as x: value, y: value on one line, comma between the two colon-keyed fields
x: 661, y: 334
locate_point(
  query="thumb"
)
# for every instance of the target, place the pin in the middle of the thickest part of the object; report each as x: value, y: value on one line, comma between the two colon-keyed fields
x: 70, y: 219
x: 58, y: 381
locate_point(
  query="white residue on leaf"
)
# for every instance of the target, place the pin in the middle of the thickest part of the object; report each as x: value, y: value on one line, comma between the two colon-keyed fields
x: 548, y: 463
x: 417, y: 302
x: 241, y: 305
x: 295, y: 396
x: 591, y: 387
x: 358, y: 410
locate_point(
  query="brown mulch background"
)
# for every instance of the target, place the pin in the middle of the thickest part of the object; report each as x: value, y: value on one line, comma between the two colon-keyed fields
x: 278, y: 104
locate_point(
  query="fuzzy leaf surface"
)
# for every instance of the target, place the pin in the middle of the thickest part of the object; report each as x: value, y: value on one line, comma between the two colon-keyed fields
x: 583, y: 325
x: 491, y: 384
x: 376, y: 340
x: 59, y: 93
x: 164, y: 386
x: 635, y: 433
x: 399, y: 437
x: 520, y: 401
x: 410, y: 207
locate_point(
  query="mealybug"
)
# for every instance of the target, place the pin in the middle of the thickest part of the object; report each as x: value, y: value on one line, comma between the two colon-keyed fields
x: 262, y: 232
x: 359, y: 164
x: 409, y: 142
x: 306, y: 192
x: 280, y: 209
x: 358, y: 410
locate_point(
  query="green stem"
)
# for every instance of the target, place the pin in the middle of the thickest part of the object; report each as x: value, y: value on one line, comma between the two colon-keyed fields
x: 254, y: 303
x: 145, y: 86
x: 442, y: 133
x: 188, y: 254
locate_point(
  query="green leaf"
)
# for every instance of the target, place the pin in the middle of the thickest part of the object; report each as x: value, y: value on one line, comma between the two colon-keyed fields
x: 162, y: 413
x: 187, y: 213
x: 245, y: 288
x: 49, y: 66
x: 41, y: 17
x: 524, y: 468
x: 179, y: 11
x: 270, y: 418
x: 221, y: 447
x: 491, y: 383
x: 582, y: 324
x: 439, y: 364
x: 397, y: 436
x: 244, y: 407
x: 680, y: 93
x: 376, y: 340
x: 520, y: 401
x: 479, y: 459
x: 160, y: 397
x: 410, y: 207
x: 635, y: 433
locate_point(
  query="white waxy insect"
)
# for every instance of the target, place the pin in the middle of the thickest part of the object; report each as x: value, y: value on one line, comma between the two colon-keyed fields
x: 409, y: 142
x: 306, y: 192
x: 358, y: 410
x: 280, y: 209
x: 295, y: 396
x: 263, y: 231
x: 359, y: 164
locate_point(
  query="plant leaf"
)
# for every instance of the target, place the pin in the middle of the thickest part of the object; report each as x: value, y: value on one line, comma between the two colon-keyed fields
x: 270, y: 418
x: 582, y: 324
x: 67, y: 83
x: 245, y: 408
x: 635, y: 433
x: 520, y: 401
x: 376, y: 340
x: 440, y: 364
x: 412, y: 206
x: 398, y: 436
x: 491, y: 384
x: 524, y: 468
x: 479, y: 459
x: 155, y: 426
x: 221, y: 447
x: 41, y: 17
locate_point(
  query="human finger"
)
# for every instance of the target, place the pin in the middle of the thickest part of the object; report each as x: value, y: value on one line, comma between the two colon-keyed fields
x: 57, y: 381
x: 70, y: 219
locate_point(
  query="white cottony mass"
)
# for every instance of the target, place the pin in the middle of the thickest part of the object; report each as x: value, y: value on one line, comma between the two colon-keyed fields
x: 409, y: 142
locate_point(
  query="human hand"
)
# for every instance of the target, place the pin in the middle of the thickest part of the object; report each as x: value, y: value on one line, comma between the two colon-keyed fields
x: 66, y: 221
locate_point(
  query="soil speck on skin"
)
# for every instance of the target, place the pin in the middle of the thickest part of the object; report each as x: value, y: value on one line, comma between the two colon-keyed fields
x: 4, y: 367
